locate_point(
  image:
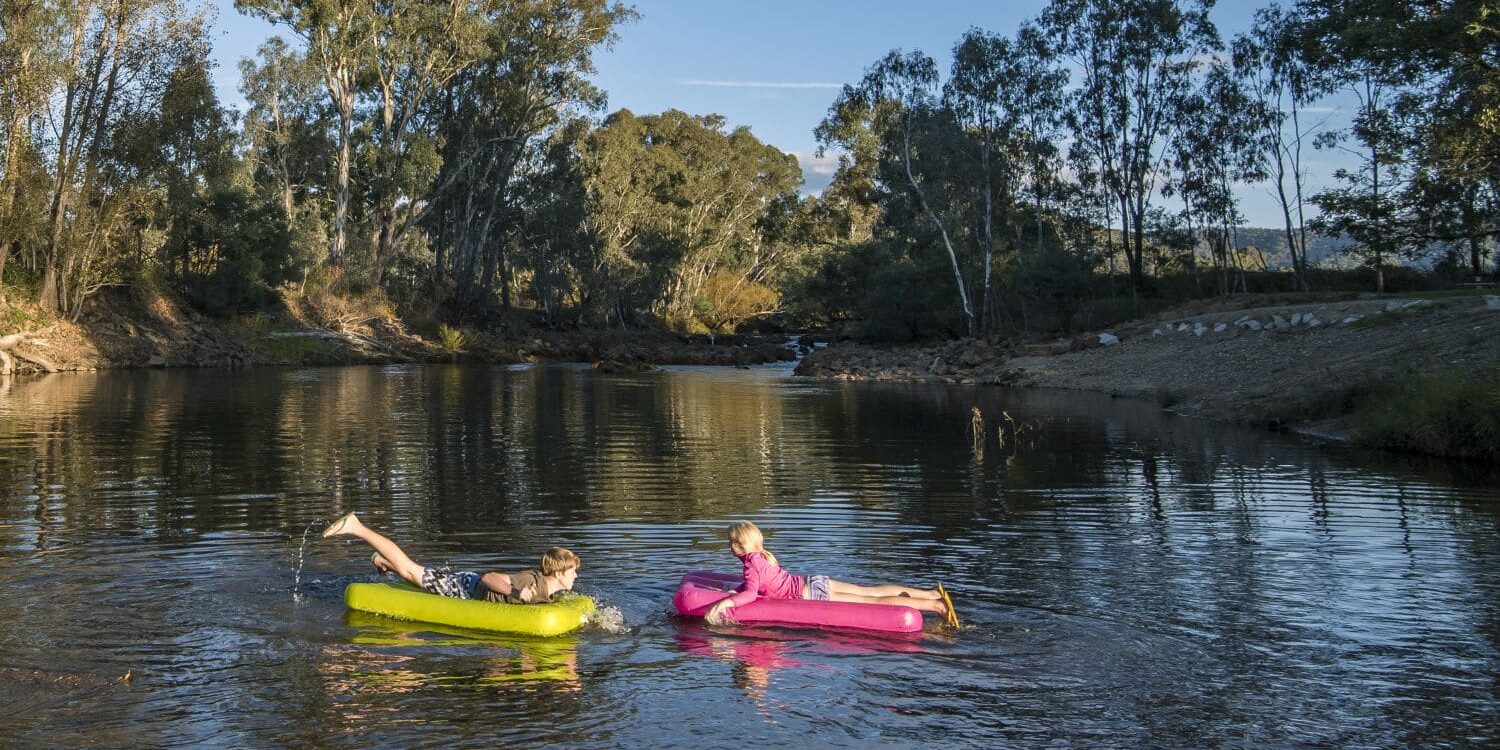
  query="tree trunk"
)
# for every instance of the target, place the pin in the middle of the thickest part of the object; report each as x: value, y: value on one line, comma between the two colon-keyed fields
x: 341, y: 195
x: 958, y: 274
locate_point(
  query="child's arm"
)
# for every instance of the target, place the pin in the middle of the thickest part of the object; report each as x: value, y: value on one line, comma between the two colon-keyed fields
x: 745, y: 594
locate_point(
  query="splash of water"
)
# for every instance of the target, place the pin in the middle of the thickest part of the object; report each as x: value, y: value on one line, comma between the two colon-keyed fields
x: 607, y: 619
x: 297, y: 571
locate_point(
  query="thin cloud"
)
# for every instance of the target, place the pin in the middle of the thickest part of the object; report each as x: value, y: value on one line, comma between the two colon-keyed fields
x: 826, y: 164
x: 760, y: 84
x: 817, y: 172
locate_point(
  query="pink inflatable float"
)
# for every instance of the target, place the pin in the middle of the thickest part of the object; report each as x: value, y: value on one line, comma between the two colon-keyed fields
x: 700, y: 589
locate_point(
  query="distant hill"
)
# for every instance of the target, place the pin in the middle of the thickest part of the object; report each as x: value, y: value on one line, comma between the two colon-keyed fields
x: 1322, y: 250
x: 1272, y: 242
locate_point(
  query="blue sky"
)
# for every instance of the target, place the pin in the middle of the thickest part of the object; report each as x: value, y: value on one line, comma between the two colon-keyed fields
x: 774, y: 65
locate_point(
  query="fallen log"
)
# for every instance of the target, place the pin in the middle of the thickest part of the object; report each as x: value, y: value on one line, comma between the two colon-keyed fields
x: 37, y: 360
x: 11, y: 340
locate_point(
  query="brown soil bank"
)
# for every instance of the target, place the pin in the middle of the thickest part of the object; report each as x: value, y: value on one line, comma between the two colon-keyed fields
x: 1270, y: 362
x: 117, y: 332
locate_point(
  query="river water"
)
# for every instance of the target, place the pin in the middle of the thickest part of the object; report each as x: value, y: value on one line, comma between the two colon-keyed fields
x: 1127, y: 579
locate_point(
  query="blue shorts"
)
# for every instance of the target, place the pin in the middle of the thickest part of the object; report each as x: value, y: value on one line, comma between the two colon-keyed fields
x: 457, y: 584
x: 817, y: 588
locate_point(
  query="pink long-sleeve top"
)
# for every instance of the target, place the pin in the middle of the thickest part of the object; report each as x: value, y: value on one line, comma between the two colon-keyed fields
x: 764, y: 579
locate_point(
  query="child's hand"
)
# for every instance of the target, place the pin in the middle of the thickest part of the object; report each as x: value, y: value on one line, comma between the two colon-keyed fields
x: 716, y: 614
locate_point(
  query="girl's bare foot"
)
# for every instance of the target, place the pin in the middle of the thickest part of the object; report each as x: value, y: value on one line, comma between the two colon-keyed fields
x: 343, y: 525
x: 950, y: 617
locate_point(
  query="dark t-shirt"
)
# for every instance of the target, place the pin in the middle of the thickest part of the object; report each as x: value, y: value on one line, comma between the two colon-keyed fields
x: 518, y: 583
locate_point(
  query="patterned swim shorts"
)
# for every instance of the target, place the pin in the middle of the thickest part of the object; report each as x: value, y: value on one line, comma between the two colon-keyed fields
x: 457, y: 584
x: 817, y: 588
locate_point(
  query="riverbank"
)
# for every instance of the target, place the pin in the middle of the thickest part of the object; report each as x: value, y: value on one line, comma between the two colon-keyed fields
x: 117, y: 331
x: 1297, y: 363
x: 1396, y: 371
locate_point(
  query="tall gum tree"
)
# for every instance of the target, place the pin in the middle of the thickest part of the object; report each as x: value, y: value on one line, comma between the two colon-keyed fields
x: 897, y: 93
x: 1282, y: 85
x: 495, y: 114
x: 115, y: 59
x: 28, y: 71
x: 1137, y: 61
x: 337, y: 35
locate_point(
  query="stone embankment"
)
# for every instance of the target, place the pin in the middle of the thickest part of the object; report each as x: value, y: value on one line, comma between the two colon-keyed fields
x: 1281, y: 364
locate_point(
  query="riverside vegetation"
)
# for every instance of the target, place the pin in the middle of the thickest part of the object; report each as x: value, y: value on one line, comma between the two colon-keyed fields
x: 429, y: 181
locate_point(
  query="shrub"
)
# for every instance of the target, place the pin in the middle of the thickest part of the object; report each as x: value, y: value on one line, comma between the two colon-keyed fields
x: 1449, y: 413
x: 728, y: 300
x: 450, y: 339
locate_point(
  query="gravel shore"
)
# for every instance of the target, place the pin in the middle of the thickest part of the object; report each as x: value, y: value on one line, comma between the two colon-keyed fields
x: 1277, y: 363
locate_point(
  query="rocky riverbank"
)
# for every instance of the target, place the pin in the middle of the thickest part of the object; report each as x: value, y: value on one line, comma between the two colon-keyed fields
x: 116, y: 332
x: 1283, y: 362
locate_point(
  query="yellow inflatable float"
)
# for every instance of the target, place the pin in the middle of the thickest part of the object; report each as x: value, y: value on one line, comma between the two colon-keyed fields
x: 563, y: 614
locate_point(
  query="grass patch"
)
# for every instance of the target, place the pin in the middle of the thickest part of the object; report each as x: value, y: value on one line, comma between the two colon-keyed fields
x: 1447, y: 293
x: 13, y: 318
x: 1450, y: 413
x: 302, y: 350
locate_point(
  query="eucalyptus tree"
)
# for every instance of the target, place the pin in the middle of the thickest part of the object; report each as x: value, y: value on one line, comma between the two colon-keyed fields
x: 1221, y: 145
x: 1137, y: 61
x: 1363, y: 205
x: 533, y: 73
x: 416, y: 48
x: 337, y: 35
x: 978, y: 95
x: 1424, y: 76
x: 225, y: 245
x: 1443, y: 57
x: 1439, y: 210
x: 182, y: 153
x: 560, y: 253
x: 1007, y: 94
x: 1357, y: 47
x: 682, y: 202
x: 286, y: 124
x: 1282, y: 84
x: 897, y: 102
x: 1038, y: 82
x: 114, y: 58
x: 28, y: 71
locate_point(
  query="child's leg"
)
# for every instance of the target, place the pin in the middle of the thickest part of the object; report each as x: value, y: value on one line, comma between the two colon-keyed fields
x: 915, y: 602
x: 349, y: 525
x: 883, y: 590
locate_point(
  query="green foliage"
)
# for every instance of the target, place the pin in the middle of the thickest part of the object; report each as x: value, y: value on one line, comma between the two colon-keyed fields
x: 726, y: 300
x: 666, y: 216
x: 906, y: 300
x: 451, y: 339
x: 234, y: 249
x: 1057, y: 283
x: 14, y: 318
x: 1447, y: 413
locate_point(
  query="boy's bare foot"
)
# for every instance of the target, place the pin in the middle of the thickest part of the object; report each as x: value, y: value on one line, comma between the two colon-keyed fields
x: 342, y: 525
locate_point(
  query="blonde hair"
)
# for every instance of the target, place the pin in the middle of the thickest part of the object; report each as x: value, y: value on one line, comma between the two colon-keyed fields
x: 559, y: 559
x: 749, y: 539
